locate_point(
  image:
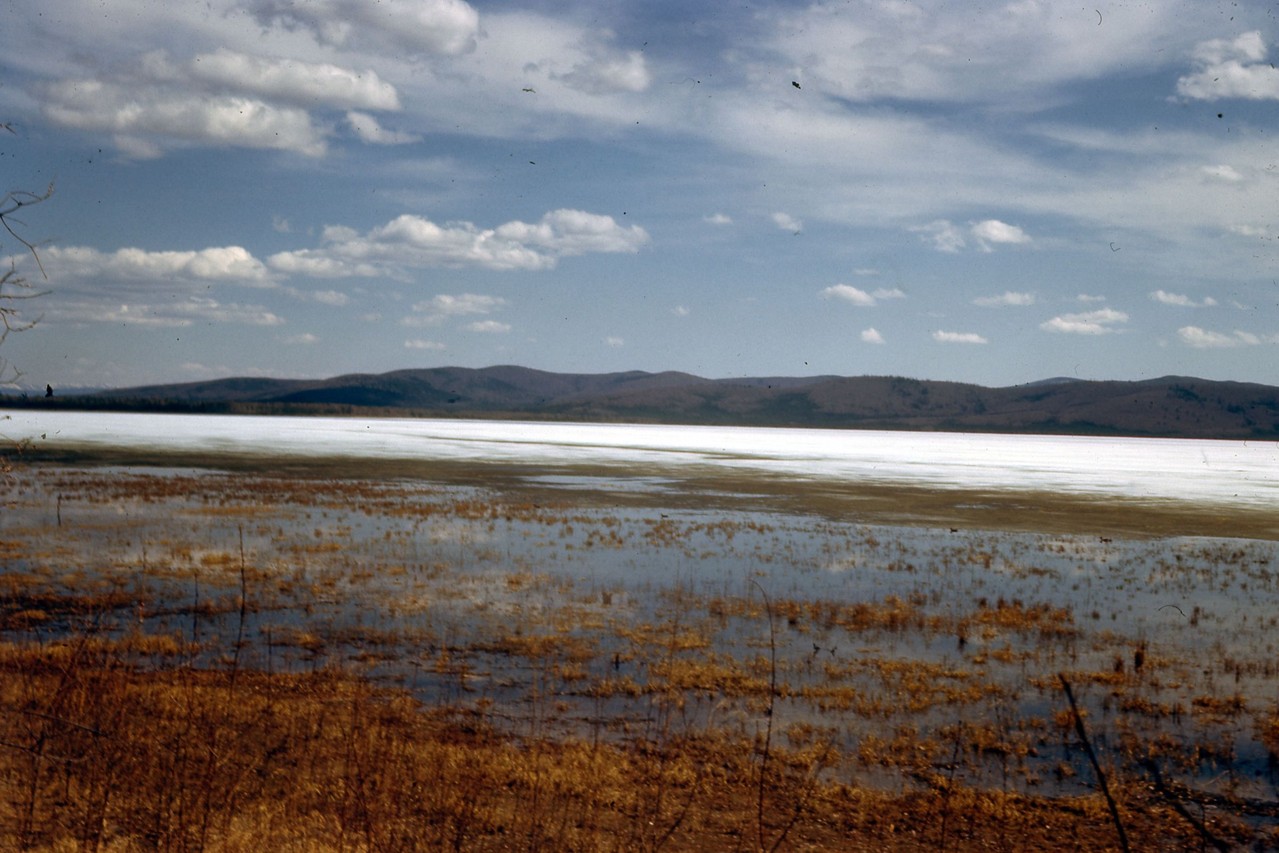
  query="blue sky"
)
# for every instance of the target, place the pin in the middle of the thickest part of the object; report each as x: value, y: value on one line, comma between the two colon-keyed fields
x: 983, y: 192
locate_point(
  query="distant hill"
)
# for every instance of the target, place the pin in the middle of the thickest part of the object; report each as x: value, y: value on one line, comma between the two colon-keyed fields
x: 1170, y: 406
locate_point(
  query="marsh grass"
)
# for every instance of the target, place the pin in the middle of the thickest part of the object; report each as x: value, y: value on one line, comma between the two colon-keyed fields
x: 300, y: 664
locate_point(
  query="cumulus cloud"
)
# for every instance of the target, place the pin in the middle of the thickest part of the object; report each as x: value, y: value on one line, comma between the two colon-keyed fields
x: 959, y: 338
x: 1181, y: 300
x: 1100, y: 322
x: 136, y: 115
x: 219, y: 263
x: 1231, y: 69
x: 718, y: 219
x: 857, y: 296
x: 872, y: 336
x: 419, y: 343
x: 575, y: 232
x: 1006, y: 298
x: 413, y: 242
x: 225, y: 98
x: 139, y: 287
x: 992, y: 231
x: 295, y: 81
x: 420, y: 28
x: 320, y: 266
x: 946, y: 236
x: 786, y: 222
x: 369, y: 130
x: 1198, y: 338
x: 488, y: 327
x: 848, y: 293
x: 680, y: 311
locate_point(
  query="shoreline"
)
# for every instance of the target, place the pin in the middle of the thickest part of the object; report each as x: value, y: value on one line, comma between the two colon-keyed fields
x: 869, y: 501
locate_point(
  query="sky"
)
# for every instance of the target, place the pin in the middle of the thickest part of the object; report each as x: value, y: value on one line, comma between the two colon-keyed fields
x: 994, y: 193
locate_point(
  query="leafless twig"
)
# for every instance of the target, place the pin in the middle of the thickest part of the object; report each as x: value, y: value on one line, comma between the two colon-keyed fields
x: 1096, y: 765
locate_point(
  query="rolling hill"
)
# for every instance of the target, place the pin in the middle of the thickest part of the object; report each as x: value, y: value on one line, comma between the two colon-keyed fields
x: 1169, y: 406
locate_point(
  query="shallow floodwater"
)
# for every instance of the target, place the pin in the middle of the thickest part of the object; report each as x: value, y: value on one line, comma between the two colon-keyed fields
x: 904, y: 645
x: 1241, y: 473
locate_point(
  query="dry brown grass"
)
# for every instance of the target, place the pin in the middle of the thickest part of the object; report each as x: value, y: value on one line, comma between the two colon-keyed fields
x: 104, y: 750
x: 165, y: 687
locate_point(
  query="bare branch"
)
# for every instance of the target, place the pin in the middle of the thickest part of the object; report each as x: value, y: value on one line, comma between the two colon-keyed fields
x: 14, y: 287
x: 12, y: 202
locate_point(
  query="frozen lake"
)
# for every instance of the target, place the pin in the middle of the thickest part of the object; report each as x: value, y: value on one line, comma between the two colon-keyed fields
x: 1221, y: 472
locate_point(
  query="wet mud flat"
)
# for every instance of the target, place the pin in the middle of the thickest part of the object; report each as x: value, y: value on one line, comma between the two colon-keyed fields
x: 811, y: 641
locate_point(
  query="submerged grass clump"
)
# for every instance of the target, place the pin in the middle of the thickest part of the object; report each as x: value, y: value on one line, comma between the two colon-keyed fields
x: 202, y: 661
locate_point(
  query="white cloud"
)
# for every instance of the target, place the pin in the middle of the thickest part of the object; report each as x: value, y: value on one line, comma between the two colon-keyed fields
x: 304, y: 339
x: 319, y: 266
x: 1204, y: 339
x: 295, y: 81
x: 959, y: 338
x: 786, y: 222
x: 420, y: 28
x: 990, y: 231
x: 872, y: 336
x: 489, y: 327
x: 152, y: 310
x: 848, y: 293
x: 137, y: 116
x: 437, y: 309
x: 1231, y: 69
x: 1224, y: 173
x: 867, y: 51
x: 680, y: 311
x: 575, y: 232
x: 1249, y: 47
x: 1100, y: 322
x: 606, y: 72
x: 412, y: 242
x: 857, y: 296
x: 1181, y: 300
x: 718, y: 219
x: 464, y: 303
x: 224, y: 98
x: 1006, y: 298
x: 614, y: 342
x: 942, y: 234
x: 330, y: 297
x: 945, y: 236
x: 219, y: 263
x: 369, y: 130
x: 419, y: 343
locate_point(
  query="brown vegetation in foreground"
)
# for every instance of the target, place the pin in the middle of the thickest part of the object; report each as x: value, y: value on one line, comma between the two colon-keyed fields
x: 115, y: 745
x: 236, y: 663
